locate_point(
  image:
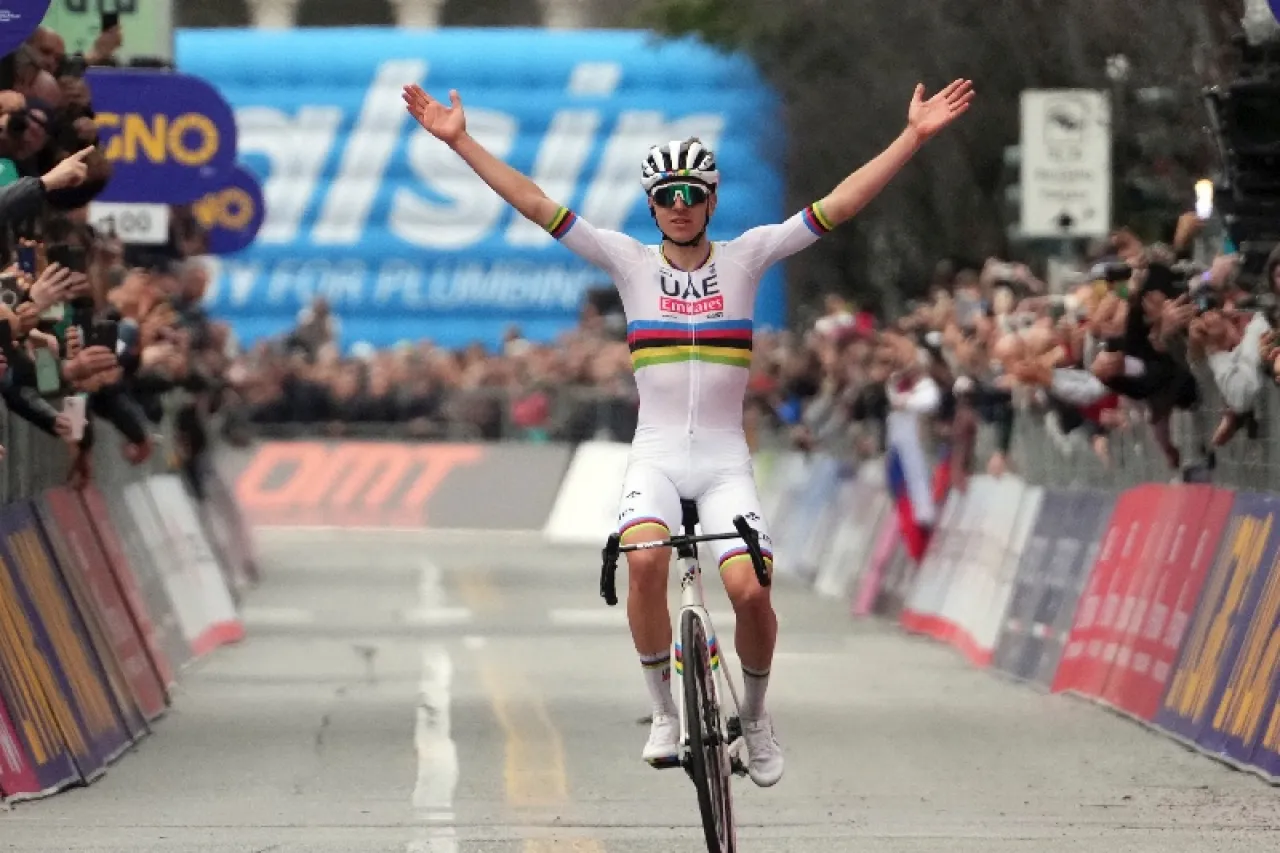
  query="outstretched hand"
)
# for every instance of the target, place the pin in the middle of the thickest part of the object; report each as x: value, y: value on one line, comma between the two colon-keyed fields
x: 444, y: 123
x: 929, y: 117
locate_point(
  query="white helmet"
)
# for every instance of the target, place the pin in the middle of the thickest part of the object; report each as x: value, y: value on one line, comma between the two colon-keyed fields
x: 687, y: 159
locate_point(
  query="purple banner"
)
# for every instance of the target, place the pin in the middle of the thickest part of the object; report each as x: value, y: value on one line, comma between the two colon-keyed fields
x: 18, y: 20
x: 171, y: 138
x: 97, y: 623
x: 1266, y: 754
x: 232, y: 215
x: 30, y: 682
x: 1239, y: 707
x: 1054, y: 569
x: 1247, y: 550
x: 82, y: 702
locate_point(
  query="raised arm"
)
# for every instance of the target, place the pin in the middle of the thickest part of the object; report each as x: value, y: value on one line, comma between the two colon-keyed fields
x: 449, y: 125
x: 924, y: 119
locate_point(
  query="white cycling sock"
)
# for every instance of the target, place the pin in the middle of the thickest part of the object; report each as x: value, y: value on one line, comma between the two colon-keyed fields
x: 657, y: 677
x: 753, y: 697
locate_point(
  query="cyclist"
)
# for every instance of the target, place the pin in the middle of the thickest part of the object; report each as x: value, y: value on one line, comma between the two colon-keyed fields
x: 689, y: 304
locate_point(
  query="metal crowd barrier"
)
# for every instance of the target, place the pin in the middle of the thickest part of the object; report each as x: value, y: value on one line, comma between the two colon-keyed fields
x: 1039, y: 453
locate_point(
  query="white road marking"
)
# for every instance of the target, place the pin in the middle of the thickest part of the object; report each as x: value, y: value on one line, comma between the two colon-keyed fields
x: 431, y: 609
x: 436, y: 616
x: 609, y: 616
x: 310, y: 534
x: 252, y: 615
x: 437, y: 753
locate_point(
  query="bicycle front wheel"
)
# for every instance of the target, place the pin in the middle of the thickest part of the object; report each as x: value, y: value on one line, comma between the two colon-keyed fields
x: 708, y: 751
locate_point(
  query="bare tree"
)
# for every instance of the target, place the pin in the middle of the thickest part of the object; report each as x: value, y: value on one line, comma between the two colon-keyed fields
x: 845, y: 72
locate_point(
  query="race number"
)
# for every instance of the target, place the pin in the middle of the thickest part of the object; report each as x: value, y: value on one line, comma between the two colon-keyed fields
x: 142, y: 224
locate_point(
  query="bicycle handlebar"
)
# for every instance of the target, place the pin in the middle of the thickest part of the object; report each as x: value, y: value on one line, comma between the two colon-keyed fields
x: 612, y: 548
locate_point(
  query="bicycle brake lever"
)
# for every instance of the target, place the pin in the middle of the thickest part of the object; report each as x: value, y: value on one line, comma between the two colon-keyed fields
x: 608, y: 588
x: 752, y: 539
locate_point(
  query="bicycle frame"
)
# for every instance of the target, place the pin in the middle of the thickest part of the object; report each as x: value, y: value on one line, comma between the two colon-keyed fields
x: 692, y: 598
x: 691, y: 593
x: 726, y: 739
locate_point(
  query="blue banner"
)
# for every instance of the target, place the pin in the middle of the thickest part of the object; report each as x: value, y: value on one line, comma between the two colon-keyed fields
x: 1209, y: 649
x: 18, y: 20
x: 232, y: 215
x: 367, y: 209
x: 171, y: 138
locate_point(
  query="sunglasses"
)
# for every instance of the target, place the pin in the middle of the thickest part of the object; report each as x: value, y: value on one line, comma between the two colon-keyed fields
x: 693, y: 195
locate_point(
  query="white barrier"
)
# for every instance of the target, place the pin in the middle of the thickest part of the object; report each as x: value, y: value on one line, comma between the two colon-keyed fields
x: 586, y: 507
x: 860, y: 507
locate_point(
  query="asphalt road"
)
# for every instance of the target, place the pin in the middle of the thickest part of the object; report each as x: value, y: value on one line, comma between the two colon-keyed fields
x: 459, y: 695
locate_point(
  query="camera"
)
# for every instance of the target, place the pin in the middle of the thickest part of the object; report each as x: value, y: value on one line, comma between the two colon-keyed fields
x: 1113, y: 272
x: 11, y: 295
x: 18, y: 121
x: 1206, y: 299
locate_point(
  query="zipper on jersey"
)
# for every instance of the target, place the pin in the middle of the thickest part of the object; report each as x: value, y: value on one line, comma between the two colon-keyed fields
x: 693, y: 384
x: 693, y: 363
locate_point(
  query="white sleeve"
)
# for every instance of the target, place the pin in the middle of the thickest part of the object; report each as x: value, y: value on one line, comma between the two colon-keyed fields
x: 923, y: 398
x: 765, y: 245
x: 1077, y: 387
x: 1238, y: 373
x: 612, y: 251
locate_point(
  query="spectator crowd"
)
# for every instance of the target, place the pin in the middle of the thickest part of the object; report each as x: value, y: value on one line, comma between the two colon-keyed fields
x: 1141, y: 334
x: 1145, y: 334
x: 93, y: 331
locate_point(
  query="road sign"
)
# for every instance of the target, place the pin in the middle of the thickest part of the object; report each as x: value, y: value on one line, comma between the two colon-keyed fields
x: 1066, y: 163
x: 146, y: 26
x: 141, y: 224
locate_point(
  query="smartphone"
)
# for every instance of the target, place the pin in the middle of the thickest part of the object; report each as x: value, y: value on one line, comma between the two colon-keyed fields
x: 127, y: 331
x: 105, y: 333
x: 48, y: 377
x: 27, y: 259
x: 82, y: 315
x: 74, y: 407
x: 71, y: 257
x: 6, y: 339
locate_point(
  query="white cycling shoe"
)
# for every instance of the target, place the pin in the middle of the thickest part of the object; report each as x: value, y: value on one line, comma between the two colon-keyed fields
x: 763, y: 751
x: 663, y: 747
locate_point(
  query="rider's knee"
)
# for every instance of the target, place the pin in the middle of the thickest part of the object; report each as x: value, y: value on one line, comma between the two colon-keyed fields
x: 743, y: 588
x: 647, y: 570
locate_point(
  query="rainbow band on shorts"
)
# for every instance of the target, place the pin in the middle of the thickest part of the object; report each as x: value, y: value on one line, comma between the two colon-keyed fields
x: 743, y: 554
x: 643, y: 521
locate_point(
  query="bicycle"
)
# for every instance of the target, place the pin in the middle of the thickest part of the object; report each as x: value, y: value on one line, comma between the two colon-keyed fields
x: 711, y: 740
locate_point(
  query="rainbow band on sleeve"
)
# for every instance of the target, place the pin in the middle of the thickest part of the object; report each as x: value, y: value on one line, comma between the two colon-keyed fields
x: 816, y: 219
x: 562, y: 223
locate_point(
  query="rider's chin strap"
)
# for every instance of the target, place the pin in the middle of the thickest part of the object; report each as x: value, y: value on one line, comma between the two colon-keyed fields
x: 695, y: 241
